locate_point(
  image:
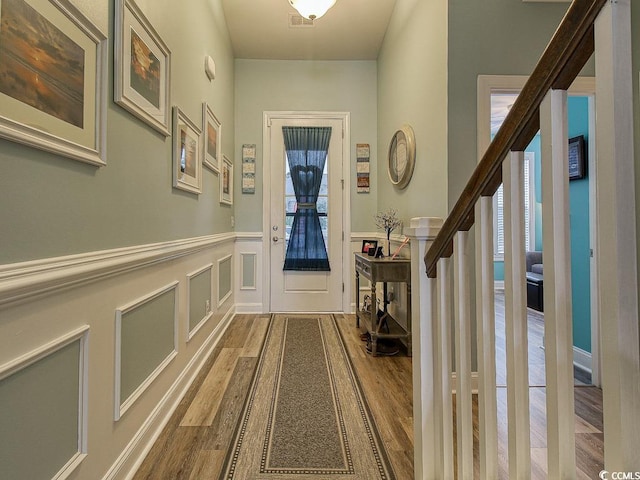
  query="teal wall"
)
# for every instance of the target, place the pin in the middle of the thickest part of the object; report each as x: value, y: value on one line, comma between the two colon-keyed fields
x: 580, y: 245
x: 280, y: 85
x: 579, y: 217
x: 54, y: 206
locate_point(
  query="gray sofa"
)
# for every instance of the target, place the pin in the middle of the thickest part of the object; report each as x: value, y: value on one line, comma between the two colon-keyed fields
x: 535, y: 280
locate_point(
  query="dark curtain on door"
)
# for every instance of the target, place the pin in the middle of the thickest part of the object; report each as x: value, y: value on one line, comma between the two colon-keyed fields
x: 306, y: 149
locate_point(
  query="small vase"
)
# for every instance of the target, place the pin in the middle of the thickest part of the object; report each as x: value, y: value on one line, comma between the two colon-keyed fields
x: 388, y: 244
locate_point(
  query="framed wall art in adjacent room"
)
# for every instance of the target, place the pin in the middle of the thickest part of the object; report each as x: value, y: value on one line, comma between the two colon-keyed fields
x: 53, y: 64
x: 577, y: 162
x: 142, y: 68
x: 187, y: 166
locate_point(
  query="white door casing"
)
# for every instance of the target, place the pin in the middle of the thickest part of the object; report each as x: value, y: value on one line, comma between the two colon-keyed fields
x: 288, y: 291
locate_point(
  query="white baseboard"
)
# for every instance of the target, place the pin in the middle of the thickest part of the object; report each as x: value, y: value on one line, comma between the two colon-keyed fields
x: 582, y: 359
x: 128, y: 462
x: 250, y: 308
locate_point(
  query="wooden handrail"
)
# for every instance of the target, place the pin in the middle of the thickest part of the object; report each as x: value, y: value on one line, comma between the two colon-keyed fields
x: 567, y: 52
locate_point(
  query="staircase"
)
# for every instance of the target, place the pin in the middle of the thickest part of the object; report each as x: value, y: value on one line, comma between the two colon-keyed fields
x: 443, y: 289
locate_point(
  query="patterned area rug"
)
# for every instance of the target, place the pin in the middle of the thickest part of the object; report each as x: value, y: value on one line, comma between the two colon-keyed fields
x: 305, y: 416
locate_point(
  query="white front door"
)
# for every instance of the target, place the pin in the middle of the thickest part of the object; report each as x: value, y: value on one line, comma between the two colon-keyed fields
x: 304, y: 290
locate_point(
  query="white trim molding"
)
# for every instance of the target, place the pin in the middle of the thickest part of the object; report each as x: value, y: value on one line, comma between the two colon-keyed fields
x: 81, y: 335
x: 228, y: 294
x: 582, y: 359
x: 27, y: 280
x: 121, y: 407
x: 209, y: 310
x: 141, y: 443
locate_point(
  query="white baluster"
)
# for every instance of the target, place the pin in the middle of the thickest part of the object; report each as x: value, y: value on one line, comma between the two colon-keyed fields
x: 444, y: 353
x: 558, y: 318
x: 462, y: 303
x: 616, y: 255
x: 486, y: 340
x: 516, y: 318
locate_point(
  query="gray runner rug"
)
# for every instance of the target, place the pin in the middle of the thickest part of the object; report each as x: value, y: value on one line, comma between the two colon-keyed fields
x: 306, y: 416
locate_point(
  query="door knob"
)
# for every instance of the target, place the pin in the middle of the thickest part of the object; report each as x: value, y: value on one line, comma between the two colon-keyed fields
x: 275, y: 239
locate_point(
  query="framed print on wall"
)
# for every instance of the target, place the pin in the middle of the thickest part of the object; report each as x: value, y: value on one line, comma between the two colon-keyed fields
x: 577, y: 163
x: 187, y: 167
x: 142, y: 67
x: 53, y: 86
x: 212, y: 130
x: 226, y: 182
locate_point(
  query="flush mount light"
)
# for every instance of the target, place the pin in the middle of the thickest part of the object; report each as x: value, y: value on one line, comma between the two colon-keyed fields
x: 312, y: 9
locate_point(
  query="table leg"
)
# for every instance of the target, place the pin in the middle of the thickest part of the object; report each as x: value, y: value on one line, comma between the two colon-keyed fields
x: 357, y: 299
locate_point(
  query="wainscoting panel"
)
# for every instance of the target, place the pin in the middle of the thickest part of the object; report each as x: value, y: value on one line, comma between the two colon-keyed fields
x: 248, y: 271
x: 248, y: 283
x: 43, y: 403
x: 156, y: 289
x: 199, y: 295
x: 225, y: 279
x: 146, y: 341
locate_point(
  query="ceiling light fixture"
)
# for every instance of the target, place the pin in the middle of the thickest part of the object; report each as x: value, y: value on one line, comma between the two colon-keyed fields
x: 312, y: 9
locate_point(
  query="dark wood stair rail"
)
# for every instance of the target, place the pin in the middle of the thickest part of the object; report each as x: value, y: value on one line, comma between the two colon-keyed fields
x: 567, y: 52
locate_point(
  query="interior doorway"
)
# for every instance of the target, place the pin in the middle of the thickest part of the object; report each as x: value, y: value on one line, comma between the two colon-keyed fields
x: 491, y: 86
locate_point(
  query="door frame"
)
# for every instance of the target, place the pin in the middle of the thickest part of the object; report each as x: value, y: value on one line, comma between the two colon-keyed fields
x: 345, y: 117
x: 585, y: 87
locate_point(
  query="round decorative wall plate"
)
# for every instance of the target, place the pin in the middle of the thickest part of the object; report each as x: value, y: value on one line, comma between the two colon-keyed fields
x: 402, y: 156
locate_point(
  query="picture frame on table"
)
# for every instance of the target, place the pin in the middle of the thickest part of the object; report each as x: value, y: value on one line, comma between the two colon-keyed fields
x: 368, y: 245
x: 226, y: 181
x: 212, y: 141
x: 187, y: 164
x: 577, y: 162
x: 142, y: 66
x: 53, y: 79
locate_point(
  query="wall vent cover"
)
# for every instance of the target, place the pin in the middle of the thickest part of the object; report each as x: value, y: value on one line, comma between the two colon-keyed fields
x: 298, y: 21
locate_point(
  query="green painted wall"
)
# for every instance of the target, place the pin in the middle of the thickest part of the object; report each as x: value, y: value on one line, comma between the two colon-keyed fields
x: 412, y: 88
x: 56, y: 206
x: 503, y: 37
x: 275, y: 85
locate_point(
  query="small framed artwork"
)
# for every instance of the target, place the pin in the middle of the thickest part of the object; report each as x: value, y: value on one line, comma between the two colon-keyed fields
x: 369, y: 247
x: 53, y: 84
x: 212, y: 129
x: 142, y: 67
x: 226, y: 181
x: 577, y: 163
x: 187, y: 167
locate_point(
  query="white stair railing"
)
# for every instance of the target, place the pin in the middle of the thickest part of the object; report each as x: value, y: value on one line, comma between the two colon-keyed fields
x: 442, y: 301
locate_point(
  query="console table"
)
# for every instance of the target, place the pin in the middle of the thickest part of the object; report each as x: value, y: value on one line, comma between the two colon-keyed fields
x: 383, y: 270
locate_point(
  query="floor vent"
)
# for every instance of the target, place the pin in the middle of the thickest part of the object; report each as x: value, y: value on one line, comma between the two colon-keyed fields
x: 298, y: 21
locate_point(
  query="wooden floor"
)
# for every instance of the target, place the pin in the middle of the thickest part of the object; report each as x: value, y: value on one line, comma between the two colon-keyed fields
x: 194, y: 443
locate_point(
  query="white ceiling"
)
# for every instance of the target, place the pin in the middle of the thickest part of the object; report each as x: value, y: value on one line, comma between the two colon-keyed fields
x: 350, y: 30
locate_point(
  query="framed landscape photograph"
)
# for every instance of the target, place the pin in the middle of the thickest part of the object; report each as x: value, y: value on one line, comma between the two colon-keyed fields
x: 226, y: 182
x: 142, y: 67
x: 187, y: 166
x: 212, y: 129
x: 53, y: 85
